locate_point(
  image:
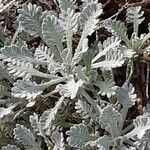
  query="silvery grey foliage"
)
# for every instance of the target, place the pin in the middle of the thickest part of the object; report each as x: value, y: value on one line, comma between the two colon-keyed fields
x: 57, y: 139
x: 26, y: 137
x: 106, y: 87
x: 135, y: 16
x: 3, y: 91
x: 49, y: 115
x: 76, y: 73
x: 31, y: 18
x: 79, y: 135
x: 10, y: 147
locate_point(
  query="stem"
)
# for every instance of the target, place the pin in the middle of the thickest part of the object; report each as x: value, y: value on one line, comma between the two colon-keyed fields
x: 49, y: 94
x: 43, y: 75
x: 38, y: 62
x: 15, y: 35
x: 135, y: 28
x: 129, y: 68
x: 69, y: 43
x: 52, y: 82
x: 124, y: 112
x: 92, y: 102
x: 69, y: 36
x: 49, y: 143
x: 80, y: 42
x: 7, y: 5
x: 147, y: 79
x: 114, y: 131
x: 127, y: 129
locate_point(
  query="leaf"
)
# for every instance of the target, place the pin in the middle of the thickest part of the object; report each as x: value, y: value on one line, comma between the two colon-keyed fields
x: 26, y: 70
x: 3, y: 72
x: 69, y: 21
x: 49, y: 115
x: 26, y: 89
x: 34, y: 122
x: 144, y: 143
x: 110, y: 119
x: 78, y: 55
x: 24, y: 135
x: 87, y: 57
x: 21, y: 69
x: 126, y: 96
x: 78, y: 135
x: 2, y: 37
x: 53, y: 35
x: 110, y: 43
x: 130, y: 52
x: 43, y: 53
x: 89, y: 18
x: 65, y: 4
x: 113, y: 59
x: 118, y: 28
x: 141, y: 125
x: 69, y: 89
x: 14, y: 53
x: 31, y: 18
x: 10, y: 147
x: 84, y: 109
x: 107, y: 87
x: 135, y: 16
x: 104, y: 143
x: 3, y: 91
x: 6, y: 111
x: 110, y: 116
x: 58, y: 139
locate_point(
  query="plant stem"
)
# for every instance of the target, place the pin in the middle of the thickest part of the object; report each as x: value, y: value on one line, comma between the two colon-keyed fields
x: 92, y: 102
x: 124, y: 112
x: 15, y: 35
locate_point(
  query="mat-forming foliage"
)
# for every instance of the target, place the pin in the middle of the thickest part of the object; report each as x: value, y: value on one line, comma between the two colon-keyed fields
x: 82, y: 73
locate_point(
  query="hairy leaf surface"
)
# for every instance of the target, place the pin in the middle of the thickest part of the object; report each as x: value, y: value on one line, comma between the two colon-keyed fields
x: 31, y: 18
x: 10, y: 147
x: 26, y: 137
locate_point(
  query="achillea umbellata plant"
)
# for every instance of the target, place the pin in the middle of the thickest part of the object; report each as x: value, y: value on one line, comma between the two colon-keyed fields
x: 80, y: 73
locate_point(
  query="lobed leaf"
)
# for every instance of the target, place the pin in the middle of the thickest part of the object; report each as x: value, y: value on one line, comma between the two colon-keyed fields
x: 104, y: 142
x: 106, y: 87
x: 141, y: 125
x: 135, y: 16
x: 65, y: 4
x: 118, y: 28
x: 31, y: 18
x: 89, y: 18
x: 70, y: 89
x: 58, y: 139
x: 113, y: 59
x: 126, y: 96
x: 110, y: 116
x: 53, y: 35
x: 6, y: 111
x: 110, y: 43
x: 34, y: 122
x: 21, y: 69
x: 3, y: 91
x: 78, y: 135
x: 49, y: 115
x: 26, y: 89
x: 14, y: 53
x: 24, y: 135
x: 10, y: 147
